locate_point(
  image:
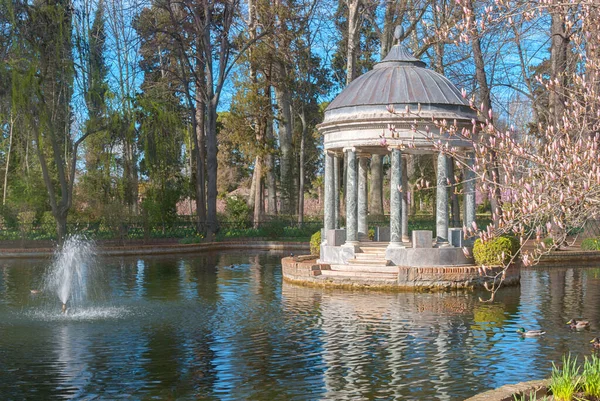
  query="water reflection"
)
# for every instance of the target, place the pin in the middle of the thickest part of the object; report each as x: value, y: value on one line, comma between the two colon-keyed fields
x: 225, y: 327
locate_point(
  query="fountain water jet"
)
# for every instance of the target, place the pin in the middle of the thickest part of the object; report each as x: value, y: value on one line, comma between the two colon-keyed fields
x: 68, y: 273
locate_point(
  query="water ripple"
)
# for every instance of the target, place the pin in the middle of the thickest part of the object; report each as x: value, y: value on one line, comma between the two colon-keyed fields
x: 225, y: 327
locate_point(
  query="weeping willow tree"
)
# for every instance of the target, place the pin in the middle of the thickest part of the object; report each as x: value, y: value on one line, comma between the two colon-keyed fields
x: 43, y: 70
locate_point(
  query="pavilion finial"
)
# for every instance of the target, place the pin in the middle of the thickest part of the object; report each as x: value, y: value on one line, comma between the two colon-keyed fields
x: 399, y: 33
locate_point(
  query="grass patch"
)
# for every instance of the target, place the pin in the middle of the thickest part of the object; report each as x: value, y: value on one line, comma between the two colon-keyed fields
x: 564, y: 382
x: 591, y: 244
x: 590, y: 379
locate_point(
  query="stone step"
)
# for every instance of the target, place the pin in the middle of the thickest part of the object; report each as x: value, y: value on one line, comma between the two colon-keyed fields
x: 365, y: 268
x: 372, y: 250
x: 369, y: 256
x: 369, y: 262
x: 393, y: 277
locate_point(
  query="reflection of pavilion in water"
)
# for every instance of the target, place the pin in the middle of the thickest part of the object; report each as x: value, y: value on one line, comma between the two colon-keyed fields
x: 385, y: 345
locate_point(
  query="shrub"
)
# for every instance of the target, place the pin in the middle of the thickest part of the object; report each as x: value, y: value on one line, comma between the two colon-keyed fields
x: 48, y: 219
x: 371, y: 234
x: 237, y: 212
x: 591, y: 244
x: 490, y: 252
x: 274, y: 229
x: 26, y: 219
x: 315, y: 244
x: 549, y: 243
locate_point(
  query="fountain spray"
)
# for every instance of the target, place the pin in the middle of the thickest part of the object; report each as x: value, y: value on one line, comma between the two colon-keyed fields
x: 68, y: 274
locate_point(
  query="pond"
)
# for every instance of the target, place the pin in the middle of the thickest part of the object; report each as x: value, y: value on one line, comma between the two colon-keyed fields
x: 223, y: 326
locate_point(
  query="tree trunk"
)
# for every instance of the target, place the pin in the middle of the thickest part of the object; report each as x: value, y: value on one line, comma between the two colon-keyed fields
x: 387, y: 34
x: 301, y: 168
x: 259, y: 202
x: 200, y: 163
x: 287, y: 155
x: 10, y: 139
x: 271, y: 178
x: 130, y: 171
x: 211, y: 164
x: 353, y: 39
x: 252, y: 194
x: 61, y: 226
x: 486, y: 100
x: 376, y: 187
x: 558, y: 66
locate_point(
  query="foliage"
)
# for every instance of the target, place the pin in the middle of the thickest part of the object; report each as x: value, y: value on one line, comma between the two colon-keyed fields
x: 315, y: 244
x: 274, y: 229
x: 26, y: 219
x: 237, y: 212
x: 591, y: 244
x: 47, y: 219
x: 55, y: 88
x: 160, y: 202
x: 549, y: 243
x: 196, y: 239
x: 495, y: 252
x: 484, y: 207
x: 564, y: 382
x: 590, y: 379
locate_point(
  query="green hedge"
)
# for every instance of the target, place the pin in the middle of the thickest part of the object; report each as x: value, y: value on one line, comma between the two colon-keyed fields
x: 315, y: 244
x: 591, y: 244
x: 490, y: 253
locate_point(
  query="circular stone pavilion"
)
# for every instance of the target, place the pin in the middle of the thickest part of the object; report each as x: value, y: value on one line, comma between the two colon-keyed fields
x: 357, y: 123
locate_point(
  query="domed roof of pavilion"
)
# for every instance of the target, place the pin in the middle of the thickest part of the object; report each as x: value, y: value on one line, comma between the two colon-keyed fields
x: 400, y: 79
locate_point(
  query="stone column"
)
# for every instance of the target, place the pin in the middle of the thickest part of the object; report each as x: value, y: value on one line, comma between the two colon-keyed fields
x: 351, y: 198
x: 395, y: 199
x: 363, y: 228
x: 329, y: 209
x: 405, y: 237
x: 469, y: 190
x: 441, y: 199
x: 336, y: 188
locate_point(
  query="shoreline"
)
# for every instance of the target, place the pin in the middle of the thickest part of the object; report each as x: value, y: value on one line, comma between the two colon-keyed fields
x: 164, y: 248
x: 170, y: 246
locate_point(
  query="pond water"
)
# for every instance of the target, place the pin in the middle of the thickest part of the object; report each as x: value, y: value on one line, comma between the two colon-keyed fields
x: 223, y: 326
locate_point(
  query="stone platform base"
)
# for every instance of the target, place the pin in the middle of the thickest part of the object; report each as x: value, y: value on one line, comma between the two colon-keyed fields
x: 451, y: 277
x: 307, y: 270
